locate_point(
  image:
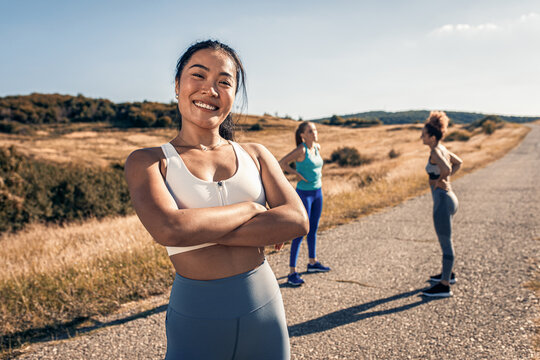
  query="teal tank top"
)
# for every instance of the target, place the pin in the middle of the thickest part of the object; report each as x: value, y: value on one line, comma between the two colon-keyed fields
x: 311, y: 169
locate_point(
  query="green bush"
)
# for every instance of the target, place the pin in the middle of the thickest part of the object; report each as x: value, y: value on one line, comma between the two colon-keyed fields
x: 8, y: 127
x: 489, y: 123
x: 392, y: 154
x: 489, y: 127
x: 349, y: 156
x: 163, y: 121
x: 32, y: 191
x: 458, y: 135
x: 256, y: 127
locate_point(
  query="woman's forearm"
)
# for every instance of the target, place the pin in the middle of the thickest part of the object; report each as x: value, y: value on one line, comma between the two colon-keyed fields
x: 455, y: 168
x: 187, y: 227
x: 274, y: 226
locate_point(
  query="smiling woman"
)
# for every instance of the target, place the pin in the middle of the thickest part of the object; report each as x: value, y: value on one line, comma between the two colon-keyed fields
x: 215, y: 205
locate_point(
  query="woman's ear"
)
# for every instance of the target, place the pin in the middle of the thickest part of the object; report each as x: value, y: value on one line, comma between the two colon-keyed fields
x: 176, y: 86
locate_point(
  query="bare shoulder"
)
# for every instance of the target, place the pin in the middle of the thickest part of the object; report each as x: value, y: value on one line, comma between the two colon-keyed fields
x: 143, y: 158
x: 254, y: 149
x: 440, y: 151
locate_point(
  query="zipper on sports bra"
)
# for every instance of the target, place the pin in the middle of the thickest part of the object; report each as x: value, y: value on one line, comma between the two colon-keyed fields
x: 220, y: 192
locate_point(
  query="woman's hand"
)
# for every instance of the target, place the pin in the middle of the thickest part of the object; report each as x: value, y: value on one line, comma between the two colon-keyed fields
x: 443, y: 184
x: 258, y: 208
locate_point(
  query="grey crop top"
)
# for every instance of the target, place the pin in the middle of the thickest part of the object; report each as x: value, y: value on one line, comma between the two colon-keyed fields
x: 191, y: 192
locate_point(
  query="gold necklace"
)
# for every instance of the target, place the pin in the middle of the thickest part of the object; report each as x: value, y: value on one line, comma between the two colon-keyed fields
x: 200, y: 146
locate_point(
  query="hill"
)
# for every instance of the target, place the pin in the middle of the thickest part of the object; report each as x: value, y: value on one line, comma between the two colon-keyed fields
x: 417, y: 116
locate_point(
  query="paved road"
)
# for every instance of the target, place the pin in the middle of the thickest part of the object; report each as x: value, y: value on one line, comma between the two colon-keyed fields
x: 368, y: 306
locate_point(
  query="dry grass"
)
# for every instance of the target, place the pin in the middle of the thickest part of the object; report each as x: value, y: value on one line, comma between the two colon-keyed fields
x: 52, y: 276
x: 99, y: 145
x: 56, y: 276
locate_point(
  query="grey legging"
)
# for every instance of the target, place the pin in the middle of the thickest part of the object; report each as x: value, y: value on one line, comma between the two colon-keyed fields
x: 239, y: 317
x: 445, y: 205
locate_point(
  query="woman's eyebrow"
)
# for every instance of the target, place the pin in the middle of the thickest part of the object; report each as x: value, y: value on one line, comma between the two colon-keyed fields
x: 207, y: 69
x: 199, y: 66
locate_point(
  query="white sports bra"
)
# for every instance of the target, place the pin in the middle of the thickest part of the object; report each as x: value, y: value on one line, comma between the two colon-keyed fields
x: 191, y: 192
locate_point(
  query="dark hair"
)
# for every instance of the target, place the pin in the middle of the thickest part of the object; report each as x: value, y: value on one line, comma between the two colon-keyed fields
x: 436, y: 124
x: 433, y: 131
x: 300, y: 129
x: 226, y: 129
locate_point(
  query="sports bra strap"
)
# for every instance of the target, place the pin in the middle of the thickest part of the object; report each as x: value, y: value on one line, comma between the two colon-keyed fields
x: 169, y: 150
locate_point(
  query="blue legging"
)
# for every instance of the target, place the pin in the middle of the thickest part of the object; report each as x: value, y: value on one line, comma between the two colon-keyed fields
x: 313, y: 201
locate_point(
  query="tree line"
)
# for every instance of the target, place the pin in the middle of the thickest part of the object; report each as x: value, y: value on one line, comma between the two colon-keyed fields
x: 34, y: 109
x: 419, y: 116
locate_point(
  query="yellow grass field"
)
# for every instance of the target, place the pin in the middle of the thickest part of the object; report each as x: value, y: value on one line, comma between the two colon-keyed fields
x: 53, y: 275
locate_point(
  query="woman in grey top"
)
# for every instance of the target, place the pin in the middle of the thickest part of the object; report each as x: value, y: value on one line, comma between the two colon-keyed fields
x: 442, y: 163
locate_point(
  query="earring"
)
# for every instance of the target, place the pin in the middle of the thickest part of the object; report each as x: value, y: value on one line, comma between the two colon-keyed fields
x: 176, y: 96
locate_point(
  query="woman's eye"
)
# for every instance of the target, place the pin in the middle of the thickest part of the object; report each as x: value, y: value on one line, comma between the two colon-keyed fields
x: 226, y: 83
x: 198, y: 75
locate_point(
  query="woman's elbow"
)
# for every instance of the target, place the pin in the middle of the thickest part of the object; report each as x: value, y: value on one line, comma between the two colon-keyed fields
x: 165, y: 238
x: 169, y: 235
x: 303, y: 222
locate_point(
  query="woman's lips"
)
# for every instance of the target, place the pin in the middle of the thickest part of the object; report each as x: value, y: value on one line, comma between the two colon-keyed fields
x: 205, y: 106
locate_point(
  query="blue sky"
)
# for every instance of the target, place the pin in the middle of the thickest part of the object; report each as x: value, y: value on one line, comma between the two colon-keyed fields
x: 303, y: 58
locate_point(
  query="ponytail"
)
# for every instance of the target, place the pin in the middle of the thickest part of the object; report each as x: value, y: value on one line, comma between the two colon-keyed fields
x: 300, y: 129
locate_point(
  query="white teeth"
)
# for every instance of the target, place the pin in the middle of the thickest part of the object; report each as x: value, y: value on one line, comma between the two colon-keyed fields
x: 205, y: 106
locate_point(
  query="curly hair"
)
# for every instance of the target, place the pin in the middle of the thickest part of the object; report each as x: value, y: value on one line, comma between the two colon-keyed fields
x: 437, y: 124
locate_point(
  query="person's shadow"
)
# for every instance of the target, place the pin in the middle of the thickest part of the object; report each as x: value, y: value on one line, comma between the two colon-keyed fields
x: 355, y: 313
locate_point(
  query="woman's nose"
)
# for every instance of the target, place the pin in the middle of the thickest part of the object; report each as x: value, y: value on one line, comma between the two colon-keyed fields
x: 210, y: 90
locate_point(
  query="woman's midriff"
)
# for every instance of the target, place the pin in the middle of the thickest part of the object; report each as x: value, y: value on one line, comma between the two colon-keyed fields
x: 433, y: 182
x: 217, y: 261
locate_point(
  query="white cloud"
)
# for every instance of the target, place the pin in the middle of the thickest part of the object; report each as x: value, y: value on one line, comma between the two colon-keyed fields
x: 450, y: 29
x: 529, y: 17
x: 465, y: 29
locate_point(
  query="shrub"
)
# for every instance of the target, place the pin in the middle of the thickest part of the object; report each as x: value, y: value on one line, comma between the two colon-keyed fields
x: 256, y: 127
x: 8, y: 127
x: 163, y: 121
x: 367, y: 179
x: 392, y: 154
x: 33, y: 190
x: 336, y: 120
x: 458, y: 135
x: 489, y: 127
x: 349, y: 156
x: 493, y: 121
x: 360, y: 122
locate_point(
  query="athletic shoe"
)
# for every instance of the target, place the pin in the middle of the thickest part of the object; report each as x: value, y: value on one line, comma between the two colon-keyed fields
x: 438, y: 290
x: 294, y: 279
x: 317, y: 267
x: 438, y: 277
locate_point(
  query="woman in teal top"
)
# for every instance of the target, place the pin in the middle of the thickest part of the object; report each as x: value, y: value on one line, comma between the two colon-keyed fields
x: 309, y: 165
